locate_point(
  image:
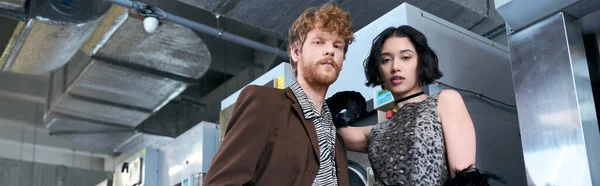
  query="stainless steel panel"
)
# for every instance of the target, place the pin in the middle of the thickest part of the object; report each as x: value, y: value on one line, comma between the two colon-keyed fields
x: 172, y: 48
x: 584, y: 96
x: 68, y: 105
x: 552, y: 88
x: 122, y: 86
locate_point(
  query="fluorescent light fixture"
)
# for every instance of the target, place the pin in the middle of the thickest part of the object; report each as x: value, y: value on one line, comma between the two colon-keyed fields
x: 194, y: 158
x: 175, y: 169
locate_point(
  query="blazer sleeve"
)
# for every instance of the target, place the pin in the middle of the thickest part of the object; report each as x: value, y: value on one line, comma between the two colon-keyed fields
x: 245, y: 140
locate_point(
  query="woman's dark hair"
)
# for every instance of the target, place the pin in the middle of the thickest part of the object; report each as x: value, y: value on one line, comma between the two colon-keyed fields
x: 427, y: 68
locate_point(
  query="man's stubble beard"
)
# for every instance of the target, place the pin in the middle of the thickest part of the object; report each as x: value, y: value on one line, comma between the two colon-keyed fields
x: 313, y: 75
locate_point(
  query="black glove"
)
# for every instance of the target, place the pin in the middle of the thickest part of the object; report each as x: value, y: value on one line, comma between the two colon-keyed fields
x: 472, y: 177
x: 354, y: 103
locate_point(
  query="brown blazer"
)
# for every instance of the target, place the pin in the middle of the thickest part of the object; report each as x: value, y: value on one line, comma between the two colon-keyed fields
x: 269, y: 143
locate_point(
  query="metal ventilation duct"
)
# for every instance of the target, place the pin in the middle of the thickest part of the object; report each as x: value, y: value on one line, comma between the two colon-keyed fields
x: 12, y: 5
x: 12, y: 8
x: 50, y: 34
x: 122, y: 76
x: 174, y: 49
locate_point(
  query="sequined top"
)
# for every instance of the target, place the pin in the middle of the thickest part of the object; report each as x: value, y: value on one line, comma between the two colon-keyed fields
x: 408, y: 149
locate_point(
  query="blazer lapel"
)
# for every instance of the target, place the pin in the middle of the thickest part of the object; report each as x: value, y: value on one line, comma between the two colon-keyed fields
x: 309, y: 126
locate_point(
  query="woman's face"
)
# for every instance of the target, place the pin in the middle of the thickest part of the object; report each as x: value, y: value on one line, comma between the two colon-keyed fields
x: 399, y: 61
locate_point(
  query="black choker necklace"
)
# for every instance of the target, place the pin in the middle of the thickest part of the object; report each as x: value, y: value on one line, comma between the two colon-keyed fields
x: 408, y: 97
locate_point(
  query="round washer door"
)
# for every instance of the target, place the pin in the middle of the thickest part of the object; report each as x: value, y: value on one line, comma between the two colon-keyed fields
x: 358, y: 174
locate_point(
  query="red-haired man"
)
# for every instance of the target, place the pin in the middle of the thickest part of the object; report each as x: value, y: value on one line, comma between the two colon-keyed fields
x: 287, y: 137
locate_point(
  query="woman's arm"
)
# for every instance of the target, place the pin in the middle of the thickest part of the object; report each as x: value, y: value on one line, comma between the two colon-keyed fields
x: 356, y: 138
x: 458, y: 129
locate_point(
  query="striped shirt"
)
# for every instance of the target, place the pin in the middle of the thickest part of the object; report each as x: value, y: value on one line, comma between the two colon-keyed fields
x: 326, y: 136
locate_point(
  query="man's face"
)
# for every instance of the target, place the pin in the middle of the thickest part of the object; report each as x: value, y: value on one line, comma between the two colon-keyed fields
x: 321, y: 57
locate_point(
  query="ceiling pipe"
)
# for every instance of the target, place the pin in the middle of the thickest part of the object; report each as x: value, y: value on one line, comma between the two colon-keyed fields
x: 219, y: 33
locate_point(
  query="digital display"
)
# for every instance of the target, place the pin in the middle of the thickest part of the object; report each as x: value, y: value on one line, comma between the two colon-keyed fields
x: 383, y: 97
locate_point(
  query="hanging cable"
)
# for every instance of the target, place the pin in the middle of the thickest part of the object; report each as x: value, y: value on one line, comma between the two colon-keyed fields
x: 205, y: 91
x: 224, y: 58
x: 237, y: 69
x: 251, y: 75
x: 479, y: 95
